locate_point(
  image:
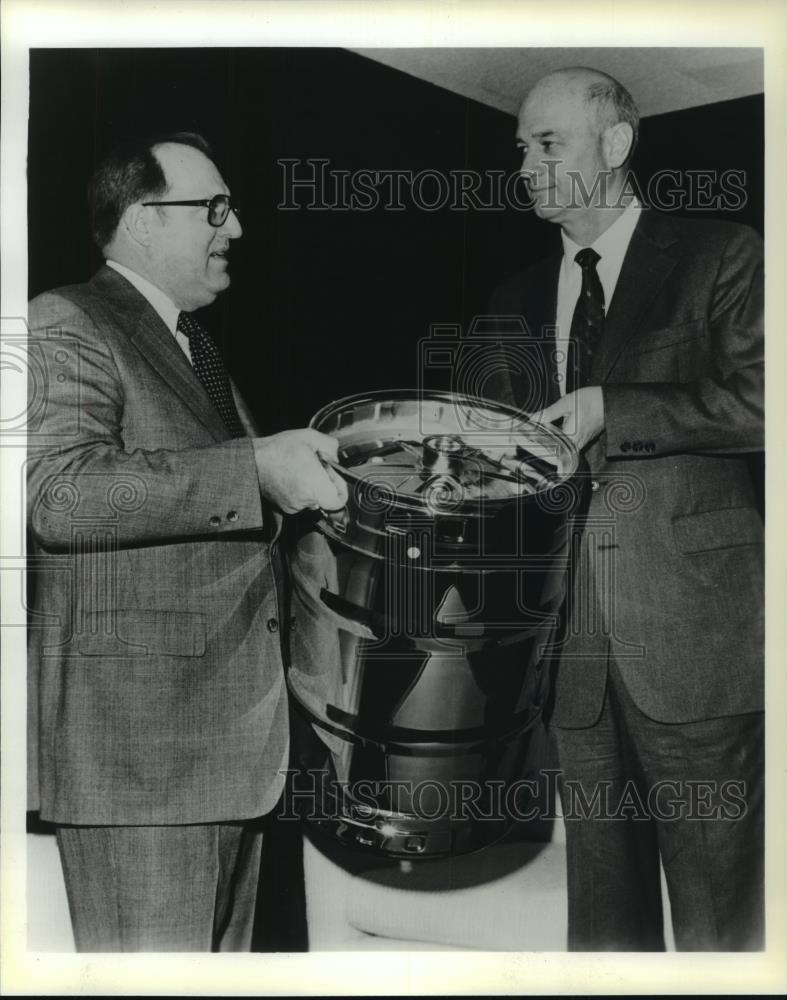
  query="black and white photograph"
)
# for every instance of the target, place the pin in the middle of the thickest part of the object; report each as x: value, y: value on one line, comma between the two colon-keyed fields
x: 384, y: 499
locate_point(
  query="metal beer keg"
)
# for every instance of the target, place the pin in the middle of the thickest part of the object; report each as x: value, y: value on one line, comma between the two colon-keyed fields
x: 422, y: 616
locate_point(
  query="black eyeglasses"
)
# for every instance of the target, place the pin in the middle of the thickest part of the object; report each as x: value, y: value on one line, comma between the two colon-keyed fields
x: 218, y: 207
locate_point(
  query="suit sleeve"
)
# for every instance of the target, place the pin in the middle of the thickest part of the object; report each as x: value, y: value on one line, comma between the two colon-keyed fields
x: 722, y: 411
x: 80, y: 475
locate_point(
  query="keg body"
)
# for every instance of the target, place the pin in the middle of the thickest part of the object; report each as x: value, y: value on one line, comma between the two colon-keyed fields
x: 424, y: 616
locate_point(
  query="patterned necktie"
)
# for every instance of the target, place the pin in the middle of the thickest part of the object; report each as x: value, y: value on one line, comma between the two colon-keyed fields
x: 587, y: 324
x: 210, y: 370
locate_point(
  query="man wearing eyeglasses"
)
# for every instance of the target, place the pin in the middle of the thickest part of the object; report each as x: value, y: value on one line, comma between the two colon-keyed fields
x: 157, y: 699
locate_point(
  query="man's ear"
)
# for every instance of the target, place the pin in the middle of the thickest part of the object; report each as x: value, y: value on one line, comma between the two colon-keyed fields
x: 136, y: 222
x: 617, y: 144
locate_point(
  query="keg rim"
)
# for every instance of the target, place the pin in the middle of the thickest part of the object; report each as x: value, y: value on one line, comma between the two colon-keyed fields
x: 344, y: 403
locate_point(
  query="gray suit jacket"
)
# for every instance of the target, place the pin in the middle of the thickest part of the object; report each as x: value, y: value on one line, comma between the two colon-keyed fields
x: 669, y: 573
x: 156, y: 682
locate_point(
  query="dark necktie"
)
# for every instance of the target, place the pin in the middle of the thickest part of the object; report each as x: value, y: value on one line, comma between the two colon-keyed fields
x: 210, y: 370
x: 587, y: 324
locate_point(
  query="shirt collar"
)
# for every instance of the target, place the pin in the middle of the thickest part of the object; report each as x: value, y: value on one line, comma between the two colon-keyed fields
x: 611, y: 246
x: 160, y: 301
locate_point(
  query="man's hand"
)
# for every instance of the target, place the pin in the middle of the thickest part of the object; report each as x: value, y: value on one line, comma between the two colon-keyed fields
x: 582, y: 413
x: 292, y: 475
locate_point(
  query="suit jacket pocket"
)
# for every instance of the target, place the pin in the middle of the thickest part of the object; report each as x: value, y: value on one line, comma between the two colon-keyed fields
x: 666, y: 336
x: 142, y: 632
x: 718, y: 529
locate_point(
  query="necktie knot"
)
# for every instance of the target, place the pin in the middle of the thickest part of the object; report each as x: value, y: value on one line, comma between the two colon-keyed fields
x: 587, y: 258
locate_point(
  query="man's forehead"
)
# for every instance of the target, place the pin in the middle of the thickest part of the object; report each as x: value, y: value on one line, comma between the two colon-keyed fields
x: 552, y: 108
x: 187, y: 167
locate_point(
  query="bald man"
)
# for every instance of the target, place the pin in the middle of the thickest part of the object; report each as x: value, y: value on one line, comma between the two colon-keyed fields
x: 650, y: 328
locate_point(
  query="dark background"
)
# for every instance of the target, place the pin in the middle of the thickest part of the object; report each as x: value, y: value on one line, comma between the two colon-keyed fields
x: 323, y: 304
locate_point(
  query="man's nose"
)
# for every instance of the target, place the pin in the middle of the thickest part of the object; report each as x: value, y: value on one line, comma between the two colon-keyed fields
x: 232, y: 227
x: 529, y: 167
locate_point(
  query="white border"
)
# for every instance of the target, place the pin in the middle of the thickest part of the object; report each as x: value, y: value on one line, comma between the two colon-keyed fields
x: 355, y: 24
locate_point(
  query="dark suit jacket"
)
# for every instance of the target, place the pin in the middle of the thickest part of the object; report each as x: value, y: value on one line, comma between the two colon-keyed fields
x: 156, y: 685
x: 671, y: 557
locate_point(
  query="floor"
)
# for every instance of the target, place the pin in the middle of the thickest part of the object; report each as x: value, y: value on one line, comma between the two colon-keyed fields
x: 509, y: 897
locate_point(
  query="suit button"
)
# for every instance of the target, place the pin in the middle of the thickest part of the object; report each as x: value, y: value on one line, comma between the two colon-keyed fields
x: 293, y: 624
x: 215, y: 520
x: 594, y: 485
x: 272, y: 624
x: 232, y: 515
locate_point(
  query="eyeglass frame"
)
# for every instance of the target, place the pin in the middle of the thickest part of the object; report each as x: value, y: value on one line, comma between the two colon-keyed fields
x: 232, y: 206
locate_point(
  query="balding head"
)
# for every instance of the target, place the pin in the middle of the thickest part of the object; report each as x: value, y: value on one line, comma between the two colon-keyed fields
x: 601, y: 95
x: 576, y: 129
x: 155, y: 217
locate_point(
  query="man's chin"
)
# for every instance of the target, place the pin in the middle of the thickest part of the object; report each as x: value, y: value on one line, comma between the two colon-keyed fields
x: 547, y: 210
x: 205, y: 294
x: 218, y: 281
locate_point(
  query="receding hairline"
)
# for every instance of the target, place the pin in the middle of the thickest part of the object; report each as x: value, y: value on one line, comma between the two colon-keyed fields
x: 581, y: 76
x: 173, y: 146
x: 173, y: 143
x: 596, y: 90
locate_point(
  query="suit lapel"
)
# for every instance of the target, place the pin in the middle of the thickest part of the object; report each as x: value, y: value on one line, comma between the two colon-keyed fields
x: 645, y: 269
x: 159, y: 349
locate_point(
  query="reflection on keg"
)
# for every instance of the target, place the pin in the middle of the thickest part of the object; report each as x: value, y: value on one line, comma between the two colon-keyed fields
x: 421, y: 618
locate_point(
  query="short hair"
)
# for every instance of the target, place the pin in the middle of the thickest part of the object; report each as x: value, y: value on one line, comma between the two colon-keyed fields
x: 129, y: 173
x: 613, y: 104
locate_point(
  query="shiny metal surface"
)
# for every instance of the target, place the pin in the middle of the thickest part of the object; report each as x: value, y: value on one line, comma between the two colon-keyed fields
x: 421, y: 617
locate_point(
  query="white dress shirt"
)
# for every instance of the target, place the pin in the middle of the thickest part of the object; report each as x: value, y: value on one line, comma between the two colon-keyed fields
x: 611, y: 247
x: 161, y: 302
